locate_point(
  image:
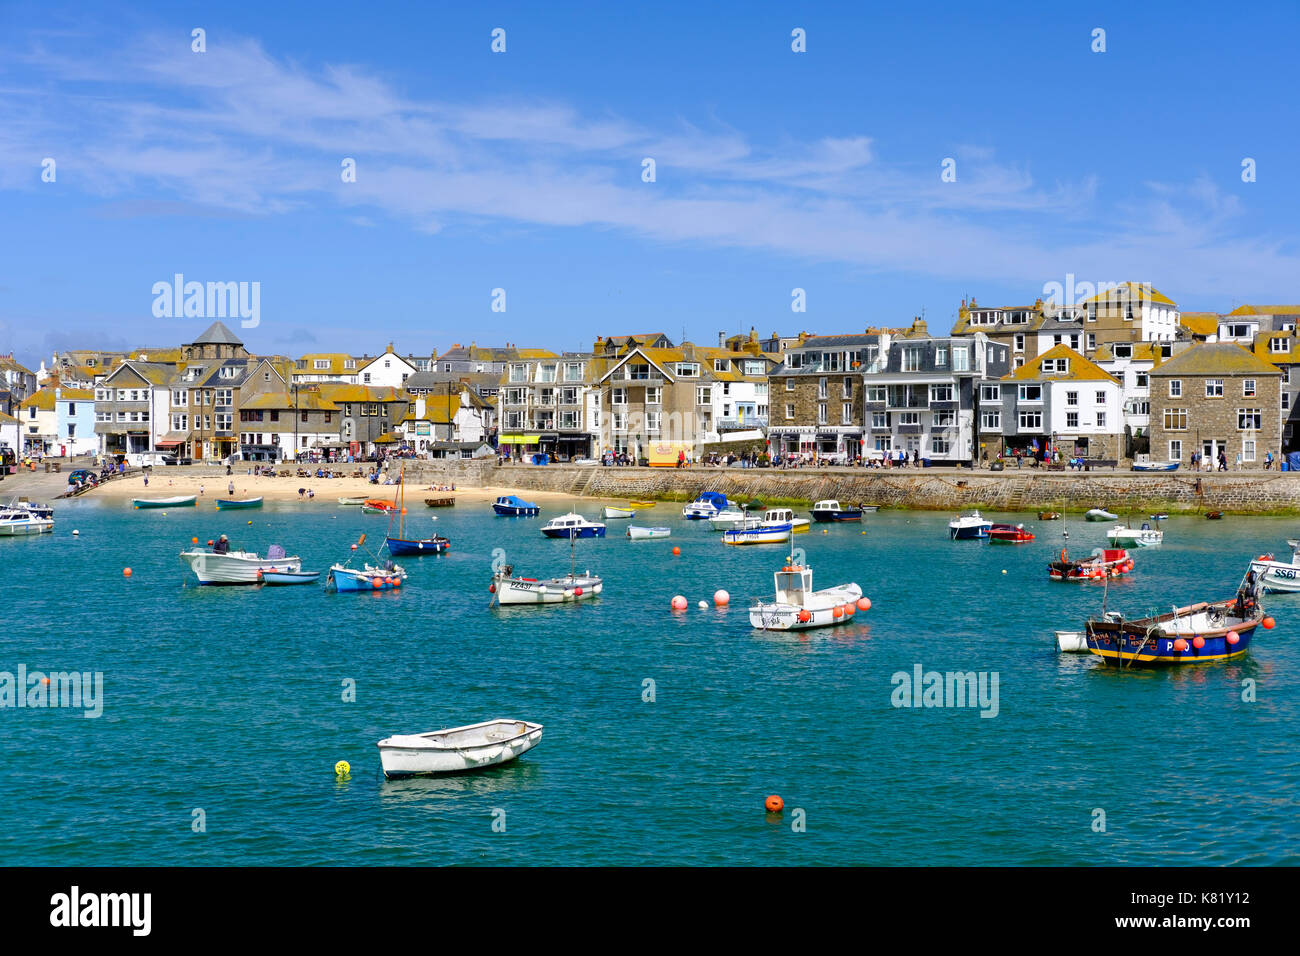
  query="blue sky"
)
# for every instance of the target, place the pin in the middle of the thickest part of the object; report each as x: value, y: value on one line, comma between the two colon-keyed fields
x: 522, y: 170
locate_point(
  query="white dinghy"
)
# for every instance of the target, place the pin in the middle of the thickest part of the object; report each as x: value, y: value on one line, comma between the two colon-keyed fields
x: 238, y: 567
x: 457, y: 749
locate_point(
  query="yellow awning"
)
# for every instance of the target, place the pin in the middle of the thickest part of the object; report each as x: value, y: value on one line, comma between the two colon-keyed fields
x: 518, y: 439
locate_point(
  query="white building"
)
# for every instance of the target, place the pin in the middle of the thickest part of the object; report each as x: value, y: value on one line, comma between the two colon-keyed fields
x: 388, y: 370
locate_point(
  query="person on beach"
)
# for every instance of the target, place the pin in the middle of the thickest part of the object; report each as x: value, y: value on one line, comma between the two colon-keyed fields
x: 200, y: 489
x: 230, y: 489
x: 301, y: 492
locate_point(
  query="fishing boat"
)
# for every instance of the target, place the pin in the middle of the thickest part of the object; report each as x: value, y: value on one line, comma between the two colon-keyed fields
x: 968, y: 526
x: 797, y: 606
x: 19, y: 523
x: 352, y: 501
x: 400, y: 545
x: 369, y: 577
x: 378, y: 506
x: 1099, y: 514
x: 446, y: 502
x: 730, y: 518
x: 1155, y: 466
x: 1049, y: 516
x: 1279, y: 576
x: 1197, y: 634
x: 512, y: 506
x: 236, y: 504
x: 1102, y: 564
x: 708, y: 504
x: 829, y: 510
x: 506, y: 588
x: 457, y: 749
x: 775, y: 517
x: 762, y: 534
x: 1214, y: 515
x: 238, y: 567
x: 642, y: 504
x: 573, y: 525
x: 285, y: 578
x: 1009, y: 534
x: 179, y: 501
x: 637, y: 533
x: 1128, y: 537
x: 612, y: 514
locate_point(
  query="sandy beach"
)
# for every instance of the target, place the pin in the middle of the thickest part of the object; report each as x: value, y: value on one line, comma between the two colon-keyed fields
x: 327, y: 491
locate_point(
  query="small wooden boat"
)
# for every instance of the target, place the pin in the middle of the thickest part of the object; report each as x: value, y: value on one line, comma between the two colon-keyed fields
x: 238, y: 567
x: 637, y: 533
x: 1049, y: 516
x: 1198, y: 634
x: 775, y: 517
x: 642, y: 504
x: 762, y: 534
x: 1099, y: 514
x: 830, y: 511
x: 968, y: 526
x: 512, y: 506
x: 457, y: 749
x: 447, y: 502
x: 1143, y: 537
x: 708, y: 504
x: 1101, y: 564
x: 1155, y: 466
x: 1009, y: 534
x: 797, y: 606
x: 180, y: 501
x: 1214, y: 515
x: 352, y: 501
x: 1279, y: 576
x: 236, y: 504
x: 616, y: 513
x: 272, y: 579
x: 378, y: 506
x: 573, y: 525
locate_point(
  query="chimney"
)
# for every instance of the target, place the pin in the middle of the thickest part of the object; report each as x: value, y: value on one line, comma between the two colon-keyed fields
x: 722, y: 339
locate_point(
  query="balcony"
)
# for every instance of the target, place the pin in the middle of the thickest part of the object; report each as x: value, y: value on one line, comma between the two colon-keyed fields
x: 737, y: 424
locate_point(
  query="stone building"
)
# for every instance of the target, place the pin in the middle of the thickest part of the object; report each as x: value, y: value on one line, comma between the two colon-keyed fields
x: 815, y: 396
x: 1214, y: 398
x: 1014, y: 326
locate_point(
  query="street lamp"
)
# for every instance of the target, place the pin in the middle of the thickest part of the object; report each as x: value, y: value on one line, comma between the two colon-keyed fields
x: 295, y: 387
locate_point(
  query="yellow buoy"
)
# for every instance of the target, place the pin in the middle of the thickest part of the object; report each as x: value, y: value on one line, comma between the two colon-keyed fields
x: 342, y: 769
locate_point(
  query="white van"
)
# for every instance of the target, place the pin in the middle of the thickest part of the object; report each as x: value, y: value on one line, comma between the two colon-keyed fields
x: 147, y: 459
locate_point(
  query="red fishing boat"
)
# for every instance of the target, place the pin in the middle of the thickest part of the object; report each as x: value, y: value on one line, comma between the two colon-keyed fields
x: 1101, y: 564
x: 1009, y: 534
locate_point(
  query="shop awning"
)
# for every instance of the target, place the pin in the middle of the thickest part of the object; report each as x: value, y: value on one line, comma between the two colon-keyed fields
x: 168, y: 443
x: 518, y: 439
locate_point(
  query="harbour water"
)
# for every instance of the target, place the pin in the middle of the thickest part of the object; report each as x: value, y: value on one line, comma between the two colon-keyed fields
x: 227, y: 705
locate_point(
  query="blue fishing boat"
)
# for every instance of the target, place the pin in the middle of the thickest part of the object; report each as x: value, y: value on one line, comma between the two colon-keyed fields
x: 1198, y: 634
x: 830, y: 510
x: 368, y: 577
x: 401, y: 545
x: 708, y: 504
x: 969, y: 525
x: 512, y: 506
x: 1155, y: 466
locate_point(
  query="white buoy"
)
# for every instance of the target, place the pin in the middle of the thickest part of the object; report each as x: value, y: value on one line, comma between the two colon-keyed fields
x: 704, y: 605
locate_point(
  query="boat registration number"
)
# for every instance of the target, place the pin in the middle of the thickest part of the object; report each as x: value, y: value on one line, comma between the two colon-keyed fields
x: 1283, y: 573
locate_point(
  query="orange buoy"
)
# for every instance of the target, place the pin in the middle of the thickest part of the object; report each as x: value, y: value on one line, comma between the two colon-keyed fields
x: 1233, y: 637
x: 577, y: 592
x: 679, y: 603
x: 126, y: 572
x: 804, y: 616
x: 45, y: 680
x: 354, y: 547
x: 1198, y: 642
x: 194, y: 540
x: 376, y: 583
x: 837, y: 612
x: 209, y: 542
x: 1180, y: 645
x: 676, y: 550
x: 397, y: 582
x: 721, y: 598
x: 850, y: 610
x: 1268, y: 623
x: 774, y: 804
x: 864, y: 604
x: 403, y: 511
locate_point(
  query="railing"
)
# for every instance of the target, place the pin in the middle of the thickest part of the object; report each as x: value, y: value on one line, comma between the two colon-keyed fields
x: 749, y: 421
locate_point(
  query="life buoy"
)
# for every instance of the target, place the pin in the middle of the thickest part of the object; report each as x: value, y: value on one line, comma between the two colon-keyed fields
x: 1065, y: 556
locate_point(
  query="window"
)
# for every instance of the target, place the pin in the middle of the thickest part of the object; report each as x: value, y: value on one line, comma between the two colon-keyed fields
x: 518, y: 373
x: 1176, y: 450
x: 848, y: 386
x: 1031, y: 393
x: 1286, y: 400
x: 720, y: 365
x: 846, y: 413
x: 990, y: 393
x: 178, y: 398
x: 1018, y: 342
x: 821, y: 414
x: 1214, y: 388
x: 789, y: 385
x: 1249, y: 419
x: 1072, y: 398
x: 365, y: 377
x: 652, y: 421
x: 618, y: 396
x: 794, y: 360
x: 224, y: 396
x: 789, y: 411
x: 990, y: 421
x: 909, y: 418
x: 960, y: 359
x: 619, y: 421
x: 939, y: 445
x: 1101, y: 419
x: 1279, y: 345
x: 821, y: 388
x: 321, y: 364
x: 1175, y: 419
x: 1248, y: 388
x: 940, y: 393
x: 1092, y: 341
x: 654, y: 395
x: 1175, y: 388
x: 879, y: 419
x: 1059, y: 366
x: 703, y: 394
x: 1101, y: 398
x: 1142, y: 380
x: 1248, y: 450
x: 876, y: 393
x: 180, y: 423
x: 352, y: 363
x: 940, y: 357
x: 1071, y: 419
x: 686, y: 369
x: 755, y: 367
x: 945, y: 419
x: 1031, y: 421
x: 911, y: 360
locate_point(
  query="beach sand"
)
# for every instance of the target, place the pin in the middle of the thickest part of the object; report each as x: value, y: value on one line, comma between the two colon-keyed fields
x: 164, y: 483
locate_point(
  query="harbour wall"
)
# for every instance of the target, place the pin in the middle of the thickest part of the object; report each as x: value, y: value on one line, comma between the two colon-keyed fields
x: 924, y: 489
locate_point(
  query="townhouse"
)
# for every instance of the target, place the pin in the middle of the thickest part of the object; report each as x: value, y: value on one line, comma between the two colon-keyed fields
x: 448, y: 421
x: 1060, y: 401
x: 816, y: 395
x: 368, y: 417
x: 1282, y: 351
x: 550, y: 405
x: 1131, y: 363
x: 389, y: 370
x: 1216, y: 398
x: 17, y: 379
x: 132, y: 408
x: 1015, y: 327
x: 1129, y: 312
x: 289, y: 423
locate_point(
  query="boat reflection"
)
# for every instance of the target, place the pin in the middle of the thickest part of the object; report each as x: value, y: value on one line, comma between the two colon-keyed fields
x: 520, y: 774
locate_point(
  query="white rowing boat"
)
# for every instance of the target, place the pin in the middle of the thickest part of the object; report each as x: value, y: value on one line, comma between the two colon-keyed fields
x: 614, y: 513
x: 238, y: 567
x: 457, y: 749
x: 638, y: 533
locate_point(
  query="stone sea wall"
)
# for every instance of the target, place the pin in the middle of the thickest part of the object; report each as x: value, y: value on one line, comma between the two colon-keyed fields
x: 943, y: 490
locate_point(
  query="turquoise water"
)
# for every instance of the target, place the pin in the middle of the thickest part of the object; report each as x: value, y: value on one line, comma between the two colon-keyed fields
x: 230, y: 700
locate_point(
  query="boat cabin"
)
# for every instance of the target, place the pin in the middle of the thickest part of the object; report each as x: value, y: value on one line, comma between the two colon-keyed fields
x: 793, y: 583
x: 778, y: 516
x: 830, y: 504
